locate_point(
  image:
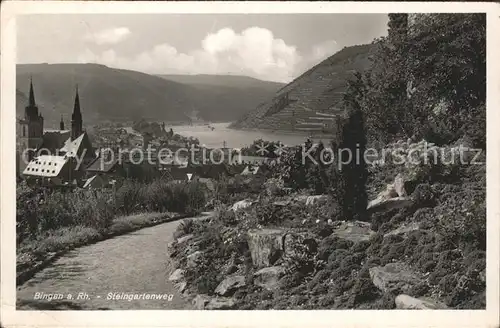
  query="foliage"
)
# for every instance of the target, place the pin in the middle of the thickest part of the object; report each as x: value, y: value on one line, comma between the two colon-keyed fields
x: 306, y: 167
x: 43, y: 210
x: 350, y: 188
x: 160, y: 196
x: 428, y: 80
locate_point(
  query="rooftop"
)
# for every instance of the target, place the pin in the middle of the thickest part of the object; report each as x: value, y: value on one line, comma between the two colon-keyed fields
x: 45, y: 166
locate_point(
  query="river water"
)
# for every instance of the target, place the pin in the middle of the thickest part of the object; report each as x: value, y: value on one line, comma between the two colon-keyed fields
x: 235, y: 138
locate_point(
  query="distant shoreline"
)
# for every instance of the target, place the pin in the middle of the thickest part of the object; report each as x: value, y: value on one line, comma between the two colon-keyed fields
x: 286, y: 132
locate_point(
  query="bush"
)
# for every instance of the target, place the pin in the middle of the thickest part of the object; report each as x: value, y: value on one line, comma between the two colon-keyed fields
x: 186, y: 227
x: 160, y: 196
x: 40, y: 210
x: 128, y: 197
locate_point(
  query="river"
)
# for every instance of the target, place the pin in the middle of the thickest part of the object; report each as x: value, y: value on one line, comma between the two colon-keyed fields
x: 234, y: 138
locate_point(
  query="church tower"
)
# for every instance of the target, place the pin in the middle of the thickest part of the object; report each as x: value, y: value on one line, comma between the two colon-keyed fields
x: 76, y: 118
x: 31, y: 134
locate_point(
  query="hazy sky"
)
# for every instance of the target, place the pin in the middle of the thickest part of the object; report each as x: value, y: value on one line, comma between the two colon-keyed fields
x: 276, y: 47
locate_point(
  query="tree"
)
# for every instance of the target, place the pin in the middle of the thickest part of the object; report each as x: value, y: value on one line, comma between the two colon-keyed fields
x: 428, y: 80
x: 317, y: 178
x: 350, y: 190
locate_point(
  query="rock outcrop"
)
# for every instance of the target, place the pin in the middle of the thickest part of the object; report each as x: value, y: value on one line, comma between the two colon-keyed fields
x: 268, y: 278
x: 242, y: 204
x: 205, y: 302
x: 193, y: 259
x: 200, y: 301
x: 406, y: 302
x: 229, y: 285
x: 394, y: 277
x: 381, y: 204
x: 184, y: 239
x: 404, y: 229
x: 177, y: 275
x: 355, y: 231
x: 316, y: 199
x: 266, y: 246
x: 394, y: 196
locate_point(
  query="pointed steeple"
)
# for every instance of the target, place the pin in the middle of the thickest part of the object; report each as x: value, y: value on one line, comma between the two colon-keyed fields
x: 31, y: 111
x: 32, y: 94
x: 76, y: 118
x: 76, y: 107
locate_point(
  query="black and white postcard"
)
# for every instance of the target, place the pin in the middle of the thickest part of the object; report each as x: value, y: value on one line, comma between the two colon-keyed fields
x: 249, y: 164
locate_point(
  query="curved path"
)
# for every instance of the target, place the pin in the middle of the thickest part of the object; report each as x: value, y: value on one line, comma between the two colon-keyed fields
x: 135, y: 263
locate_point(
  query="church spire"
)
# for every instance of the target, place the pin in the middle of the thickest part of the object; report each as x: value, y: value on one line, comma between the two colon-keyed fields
x: 76, y: 118
x: 32, y: 94
x: 31, y: 111
x: 76, y: 108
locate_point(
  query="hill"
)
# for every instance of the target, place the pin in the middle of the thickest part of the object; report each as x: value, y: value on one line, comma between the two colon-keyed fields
x: 226, y: 97
x: 312, y: 99
x: 236, y: 81
x: 109, y: 94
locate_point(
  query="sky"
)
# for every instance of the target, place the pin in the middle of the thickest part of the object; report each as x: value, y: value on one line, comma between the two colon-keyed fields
x: 273, y: 47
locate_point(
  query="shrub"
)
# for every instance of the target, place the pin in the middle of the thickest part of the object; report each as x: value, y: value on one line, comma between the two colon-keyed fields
x: 128, y: 197
x: 185, y: 228
x: 423, y: 196
x: 160, y: 196
x: 462, y: 220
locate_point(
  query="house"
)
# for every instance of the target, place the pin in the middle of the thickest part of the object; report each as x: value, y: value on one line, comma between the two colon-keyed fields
x: 102, y: 165
x: 49, y: 170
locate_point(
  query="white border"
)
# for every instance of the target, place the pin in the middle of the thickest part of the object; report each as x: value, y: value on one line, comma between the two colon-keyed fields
x: 310, y: 318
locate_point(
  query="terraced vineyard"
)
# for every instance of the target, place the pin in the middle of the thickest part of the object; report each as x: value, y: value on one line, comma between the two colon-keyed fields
x: 311, y: 102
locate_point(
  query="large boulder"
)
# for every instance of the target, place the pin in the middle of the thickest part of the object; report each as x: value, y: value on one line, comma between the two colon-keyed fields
x: 404, y: 229
x: 380, y: 204
x: 242, y: 204
x: 205, y: 302
x: 221, y: 303
x: 177, y: 275
x: 268, y: 278
x: 399, y: 186
x: 406, y: 302
x: 191, y: 247
x: 394, y: 196
x: 193, y: 259
x: 184, y: 239
x: 482, y: 275
x: 266, y: 246
x: 181, y: 286
x: 316, y: 199
x: 300, y: 198
x: 394, y: 277
x: 281, y: 203
x: 200, y: 301
x: 354, y: 231
x: 229, y: 285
